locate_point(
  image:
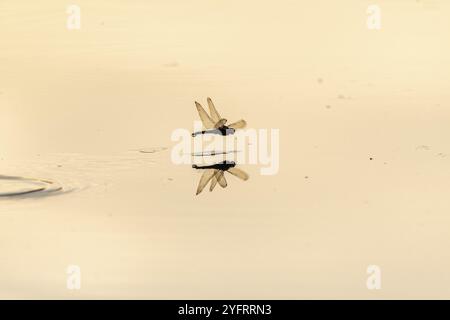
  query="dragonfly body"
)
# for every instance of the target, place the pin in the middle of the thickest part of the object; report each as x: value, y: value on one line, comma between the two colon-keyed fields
x: 223, y: 131
x: 224, y: 166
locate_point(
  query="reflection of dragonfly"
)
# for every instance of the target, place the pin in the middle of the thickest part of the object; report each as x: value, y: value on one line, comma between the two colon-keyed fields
x: 211, y: 153
x: 214, y: 123
x: 215, y: 173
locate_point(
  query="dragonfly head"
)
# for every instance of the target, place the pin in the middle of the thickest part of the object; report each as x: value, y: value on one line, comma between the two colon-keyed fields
x: 230, y: 130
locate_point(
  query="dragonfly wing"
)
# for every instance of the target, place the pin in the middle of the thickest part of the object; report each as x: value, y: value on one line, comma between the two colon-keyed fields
x: 221, y: 179
x: 213, y: 180
x: 238, y: 124
x: 206, y: 176
x: 239, y: 173
x: 220, y: 123
x: 212, y: 111
x: 206, y: 119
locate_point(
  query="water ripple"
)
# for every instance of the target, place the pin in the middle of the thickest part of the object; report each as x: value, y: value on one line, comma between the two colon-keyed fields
x: 13, y: 186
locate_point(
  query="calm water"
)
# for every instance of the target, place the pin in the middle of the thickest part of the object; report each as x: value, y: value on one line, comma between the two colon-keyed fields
x: 364, y: 153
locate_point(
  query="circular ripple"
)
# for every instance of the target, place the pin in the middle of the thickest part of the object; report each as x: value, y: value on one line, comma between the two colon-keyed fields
x: 11, y: 186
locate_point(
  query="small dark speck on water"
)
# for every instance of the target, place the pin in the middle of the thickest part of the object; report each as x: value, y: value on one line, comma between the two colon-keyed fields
x: 173, y: 64
x: 370, y: 158
x: 423, y: 147
x: 153, y: 150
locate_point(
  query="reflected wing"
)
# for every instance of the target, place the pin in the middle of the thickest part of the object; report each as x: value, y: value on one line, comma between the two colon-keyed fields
x: 218, y: 177
x: 206, y: 119
x: 221, y: 179
x: 220, y: 123
x: 212, y: 111
x: 213, y: 180
x: 238, y: 124
x: 206, y: 176
x: 239, y: 173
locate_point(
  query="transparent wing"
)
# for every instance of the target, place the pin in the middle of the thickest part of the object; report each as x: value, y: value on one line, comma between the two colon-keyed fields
x: 220, y: 123
x: 221, y: 179
x: 238, y: 124
x: 206, y: 176
x: 206, y: 119
x: 212, y: 111
x: 213, y: 180
x: 239, y: 173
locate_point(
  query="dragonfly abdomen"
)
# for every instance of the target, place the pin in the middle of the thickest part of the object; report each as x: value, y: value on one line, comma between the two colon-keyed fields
x: 212, y: 131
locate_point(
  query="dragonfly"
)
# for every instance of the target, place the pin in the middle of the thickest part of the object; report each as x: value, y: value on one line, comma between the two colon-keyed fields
x: 214, y: 123
x: 216, y: 174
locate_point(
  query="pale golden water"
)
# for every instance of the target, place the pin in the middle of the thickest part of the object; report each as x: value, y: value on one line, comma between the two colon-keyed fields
x: 76, y: 105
